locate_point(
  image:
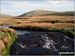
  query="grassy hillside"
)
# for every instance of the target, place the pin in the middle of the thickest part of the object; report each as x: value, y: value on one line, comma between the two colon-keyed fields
x: 61, y: 14
x: 47, y: 13
x: 37, y: 13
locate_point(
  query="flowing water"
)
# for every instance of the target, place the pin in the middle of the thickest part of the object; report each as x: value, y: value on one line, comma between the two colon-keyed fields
x: 49, y: 43
x: 6, y: 26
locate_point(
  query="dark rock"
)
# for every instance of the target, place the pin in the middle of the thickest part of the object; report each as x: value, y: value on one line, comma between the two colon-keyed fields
x: 25, y: 42
x: 64, y: 42
x: 42, y: 43
x: 37, y: 50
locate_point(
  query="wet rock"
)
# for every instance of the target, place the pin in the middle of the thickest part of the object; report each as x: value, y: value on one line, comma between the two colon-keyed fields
x: 25, y: 42
x: 41, y: 43
x: 64, y: 43
x: 37, y: 50
x: 15, y: 49
x: 30, y: 39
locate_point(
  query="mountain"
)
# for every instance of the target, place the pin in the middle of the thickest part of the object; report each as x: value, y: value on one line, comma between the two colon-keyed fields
x: 67, y: 13
x: 47, y: 13
x: 6, y: 16
x: 37, y: 13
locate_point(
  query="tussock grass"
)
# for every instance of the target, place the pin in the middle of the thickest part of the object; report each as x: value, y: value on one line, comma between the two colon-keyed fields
x: 42, y: 23
x: 9, y: 34
x: 39, y: 19
x: 65, y: 28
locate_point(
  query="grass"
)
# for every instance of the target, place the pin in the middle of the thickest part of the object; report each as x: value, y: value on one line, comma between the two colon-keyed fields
x: 66, y: 28
x: 61, y: 14
x: 38, y: 19
x: 64, y: 24
x: 13, y: 36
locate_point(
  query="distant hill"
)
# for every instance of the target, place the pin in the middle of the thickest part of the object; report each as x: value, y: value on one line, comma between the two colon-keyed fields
x: 47, y: 13
x: 37, y: 13
x: 67, y: 13
x: 6, y: 16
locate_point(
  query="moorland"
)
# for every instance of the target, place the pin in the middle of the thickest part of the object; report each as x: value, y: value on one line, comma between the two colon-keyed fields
x: 56, y: 25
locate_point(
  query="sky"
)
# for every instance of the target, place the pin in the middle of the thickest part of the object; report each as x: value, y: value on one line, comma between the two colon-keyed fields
x: 19, y: 7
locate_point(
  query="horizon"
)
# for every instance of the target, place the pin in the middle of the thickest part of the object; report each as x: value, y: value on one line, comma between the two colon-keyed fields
x: 17, y: 8
x: 34, y: 10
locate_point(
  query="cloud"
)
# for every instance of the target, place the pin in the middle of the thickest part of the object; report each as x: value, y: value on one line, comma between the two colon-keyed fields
x: 54, y: 2
x: 61, y: 3
x: 19, y: 7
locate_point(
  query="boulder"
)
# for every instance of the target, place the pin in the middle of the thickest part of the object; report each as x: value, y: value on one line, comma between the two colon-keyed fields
x: 37, y: 51
x: 25, y: 42
x: 41, y: 43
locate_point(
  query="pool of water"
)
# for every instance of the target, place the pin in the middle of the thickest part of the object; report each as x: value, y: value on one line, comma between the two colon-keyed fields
x: 22, y: 32
x: 6, y: 26
x: 19, y: 32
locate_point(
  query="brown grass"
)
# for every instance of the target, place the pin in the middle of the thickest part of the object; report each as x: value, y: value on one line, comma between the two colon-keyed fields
x: 60, y: 23
x: 39, y: 19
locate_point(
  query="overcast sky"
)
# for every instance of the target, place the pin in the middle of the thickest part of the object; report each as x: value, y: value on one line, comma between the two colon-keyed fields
x: 19, y: 7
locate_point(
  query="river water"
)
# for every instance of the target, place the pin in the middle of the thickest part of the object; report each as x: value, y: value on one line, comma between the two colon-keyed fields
x: 19, y: 32
x: 22, y: 32
x: 49, y: 43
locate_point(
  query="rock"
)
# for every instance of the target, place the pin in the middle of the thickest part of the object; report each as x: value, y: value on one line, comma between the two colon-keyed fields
x: 64, y: 43
x: 2, y: 46
x: 41, y: 43
x: 30, y: 39
x: 37, y: 51
x: 25, y: 42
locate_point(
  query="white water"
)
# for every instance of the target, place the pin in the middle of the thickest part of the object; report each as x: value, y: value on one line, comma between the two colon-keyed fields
x: 49, y: 43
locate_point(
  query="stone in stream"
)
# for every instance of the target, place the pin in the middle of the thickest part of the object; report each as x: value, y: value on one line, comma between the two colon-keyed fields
x: 41, y: 43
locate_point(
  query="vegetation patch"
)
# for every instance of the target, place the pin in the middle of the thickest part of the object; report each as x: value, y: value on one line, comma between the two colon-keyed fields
x: 7, y: 37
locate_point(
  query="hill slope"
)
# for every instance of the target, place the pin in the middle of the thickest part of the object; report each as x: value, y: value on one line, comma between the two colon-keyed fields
x: 37, y: 13
x: 6, y: 16
x: 47, y: 13
x: 68, y: 13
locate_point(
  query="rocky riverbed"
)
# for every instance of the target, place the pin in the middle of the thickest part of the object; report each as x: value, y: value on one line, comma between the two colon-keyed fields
x: 42, y: 43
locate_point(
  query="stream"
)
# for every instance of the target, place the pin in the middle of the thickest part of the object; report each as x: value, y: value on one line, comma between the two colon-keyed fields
x: 51, y: 41
x: 19, y: 32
